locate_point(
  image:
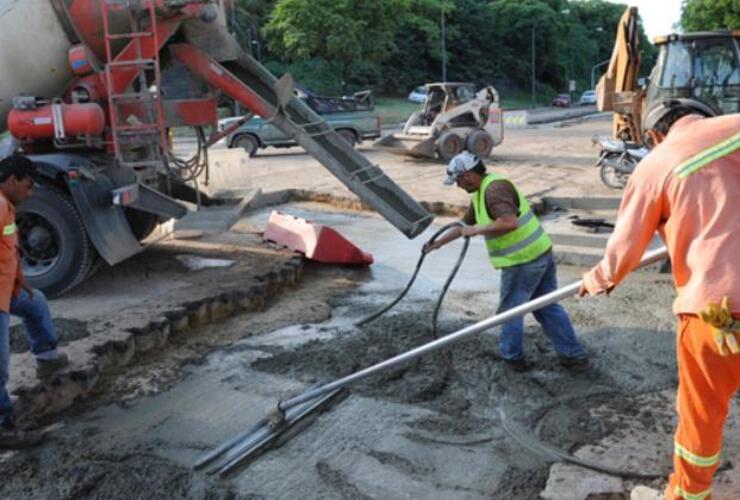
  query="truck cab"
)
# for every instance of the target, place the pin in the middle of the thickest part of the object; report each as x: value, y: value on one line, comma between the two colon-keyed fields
x: 702, y: 67
x: 353, y: 118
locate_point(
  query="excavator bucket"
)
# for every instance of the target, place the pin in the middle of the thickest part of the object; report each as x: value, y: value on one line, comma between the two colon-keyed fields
x: 249, y: 83
x: 407, y: 145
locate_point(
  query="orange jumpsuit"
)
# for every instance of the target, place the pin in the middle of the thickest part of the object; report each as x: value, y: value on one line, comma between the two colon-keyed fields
x: 688, y: 189
x: 11, y: 275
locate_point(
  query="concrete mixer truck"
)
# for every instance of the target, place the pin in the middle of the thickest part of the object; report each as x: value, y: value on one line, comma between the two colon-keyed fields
x: 89, y: 90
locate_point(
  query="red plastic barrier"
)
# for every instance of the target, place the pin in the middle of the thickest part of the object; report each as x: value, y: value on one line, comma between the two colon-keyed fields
x: 316, y: 242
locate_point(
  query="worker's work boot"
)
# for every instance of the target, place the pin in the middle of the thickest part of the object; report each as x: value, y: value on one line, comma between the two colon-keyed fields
x: 47, y: 367
x: 645, y: 493
x: 577, y: 365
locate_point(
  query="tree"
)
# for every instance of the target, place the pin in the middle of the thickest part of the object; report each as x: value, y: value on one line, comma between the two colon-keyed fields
x: 353, y: 33
x: 702, y: 15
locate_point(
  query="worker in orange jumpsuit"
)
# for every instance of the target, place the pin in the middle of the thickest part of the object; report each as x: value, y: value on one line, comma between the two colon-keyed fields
x: 688, y: 189
x: 18, y: 298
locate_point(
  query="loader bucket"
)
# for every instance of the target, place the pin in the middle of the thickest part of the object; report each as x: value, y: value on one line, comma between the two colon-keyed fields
x: 407, y: 145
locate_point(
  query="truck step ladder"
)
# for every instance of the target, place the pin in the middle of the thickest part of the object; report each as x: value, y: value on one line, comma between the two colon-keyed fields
x: 137, y: 115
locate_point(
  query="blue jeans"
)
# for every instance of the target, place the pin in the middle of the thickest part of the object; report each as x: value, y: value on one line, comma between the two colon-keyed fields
x: 40, y: 334
x: 522, y: 283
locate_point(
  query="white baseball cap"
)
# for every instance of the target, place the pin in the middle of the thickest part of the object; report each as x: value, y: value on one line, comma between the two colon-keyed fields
x: 459, y: 165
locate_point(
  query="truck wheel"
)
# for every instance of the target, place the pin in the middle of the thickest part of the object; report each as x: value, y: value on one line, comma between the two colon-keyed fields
x: 449, y: 144
x: 480, y: 143
x: 56, y: 252
x: 348, y: 136
x: 248, y: 143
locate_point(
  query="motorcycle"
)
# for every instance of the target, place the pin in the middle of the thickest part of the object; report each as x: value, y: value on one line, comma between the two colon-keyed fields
x: 617, y: 160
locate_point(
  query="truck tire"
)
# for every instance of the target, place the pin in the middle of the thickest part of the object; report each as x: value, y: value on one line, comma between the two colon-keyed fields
x: 449, y: 144
x: 56, y: 252
x: 480, y: 143
x: 248, y: 143
x: 348, y: 136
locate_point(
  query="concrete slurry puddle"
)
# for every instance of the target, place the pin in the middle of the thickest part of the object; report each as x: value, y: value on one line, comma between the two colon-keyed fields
x: 434, y: 429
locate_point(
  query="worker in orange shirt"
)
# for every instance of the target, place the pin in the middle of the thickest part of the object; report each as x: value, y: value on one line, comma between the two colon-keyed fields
x: 19, y: 299
x: 688, y: 189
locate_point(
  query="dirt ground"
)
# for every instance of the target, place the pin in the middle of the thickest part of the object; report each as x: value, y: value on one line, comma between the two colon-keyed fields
x: 456, y: 424
x: 543, y: 161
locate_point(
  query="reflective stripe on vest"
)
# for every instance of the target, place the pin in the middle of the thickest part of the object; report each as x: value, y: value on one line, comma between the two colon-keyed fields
x: 9, y: 230
x: 707, y: 156
x: 524, y: 244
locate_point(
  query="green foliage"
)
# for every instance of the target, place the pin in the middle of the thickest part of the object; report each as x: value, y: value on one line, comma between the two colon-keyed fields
x: 392, y: 46
x: 703, y: 15
x: 345, y: 31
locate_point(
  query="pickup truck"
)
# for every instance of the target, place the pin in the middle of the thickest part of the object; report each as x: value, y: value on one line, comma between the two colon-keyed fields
x: 354, y: 118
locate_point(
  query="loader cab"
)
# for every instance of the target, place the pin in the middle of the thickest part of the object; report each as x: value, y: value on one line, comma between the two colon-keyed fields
x: 702, y: 67
x: 443, y: 97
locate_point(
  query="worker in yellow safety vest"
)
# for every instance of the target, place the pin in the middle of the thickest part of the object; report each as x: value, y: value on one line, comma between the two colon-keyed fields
x: 518, y: 246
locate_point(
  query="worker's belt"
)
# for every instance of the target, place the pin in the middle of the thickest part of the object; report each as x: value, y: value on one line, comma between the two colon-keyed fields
x: 9, y: 230
x: 726, y: 328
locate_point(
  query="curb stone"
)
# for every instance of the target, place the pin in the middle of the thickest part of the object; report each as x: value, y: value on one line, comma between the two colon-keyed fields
x: 95, y: 356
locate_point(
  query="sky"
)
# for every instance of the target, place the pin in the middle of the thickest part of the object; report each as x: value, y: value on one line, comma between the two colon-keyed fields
x: 658, y: 16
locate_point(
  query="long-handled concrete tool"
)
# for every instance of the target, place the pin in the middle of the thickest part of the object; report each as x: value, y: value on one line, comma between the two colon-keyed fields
x: 290, y: 410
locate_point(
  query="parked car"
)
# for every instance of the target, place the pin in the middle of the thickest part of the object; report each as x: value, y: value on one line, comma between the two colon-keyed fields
x: 561, y: 100
x: 354, y: 118
x: 588, y: 98
x: 419, y: 94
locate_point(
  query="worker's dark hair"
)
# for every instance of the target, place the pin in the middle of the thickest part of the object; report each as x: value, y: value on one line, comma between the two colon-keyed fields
x: 16, y: 166
x: 479, y: 168
x: 676, y: 113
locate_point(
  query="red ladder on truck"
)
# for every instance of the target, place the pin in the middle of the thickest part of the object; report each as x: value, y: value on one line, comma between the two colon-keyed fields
x: 136, y: 113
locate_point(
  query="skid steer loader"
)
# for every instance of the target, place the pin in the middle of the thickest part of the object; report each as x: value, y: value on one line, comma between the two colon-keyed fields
x: 453, y: 118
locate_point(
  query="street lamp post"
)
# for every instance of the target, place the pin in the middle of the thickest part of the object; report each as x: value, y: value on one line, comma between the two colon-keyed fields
x: 444, y: 42
x: 533, y: 68
x: 593, y: 71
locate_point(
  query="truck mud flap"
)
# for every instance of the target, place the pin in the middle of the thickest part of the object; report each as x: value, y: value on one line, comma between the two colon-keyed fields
x: 105, y: 223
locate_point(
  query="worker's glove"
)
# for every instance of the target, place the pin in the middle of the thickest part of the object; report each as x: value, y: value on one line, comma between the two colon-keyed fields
x: 726, y: 328
x: 429, y: 246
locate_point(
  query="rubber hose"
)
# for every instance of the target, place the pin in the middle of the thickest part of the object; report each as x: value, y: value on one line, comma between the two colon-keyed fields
x: 448, y: 282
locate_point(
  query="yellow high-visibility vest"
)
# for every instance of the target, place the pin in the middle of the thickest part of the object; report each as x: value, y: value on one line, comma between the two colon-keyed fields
x: 523, y: 244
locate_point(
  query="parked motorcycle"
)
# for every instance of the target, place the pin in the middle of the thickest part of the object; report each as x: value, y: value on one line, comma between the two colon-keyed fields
x: 617, y: 160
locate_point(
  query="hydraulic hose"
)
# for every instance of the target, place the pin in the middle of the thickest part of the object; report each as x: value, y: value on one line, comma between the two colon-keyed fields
x: 448, y: 282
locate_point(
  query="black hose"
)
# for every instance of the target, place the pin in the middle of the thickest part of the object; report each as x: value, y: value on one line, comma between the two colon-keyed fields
x: 448, y: 282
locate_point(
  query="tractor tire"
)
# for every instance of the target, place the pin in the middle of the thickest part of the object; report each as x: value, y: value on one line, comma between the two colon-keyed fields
x: 248, y: 143
x: 449, y: 145
x: 348, y: 136
x: 56, y: 252
x: 480, y: 143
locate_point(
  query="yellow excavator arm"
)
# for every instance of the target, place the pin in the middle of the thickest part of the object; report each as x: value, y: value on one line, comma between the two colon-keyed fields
x: 617, y: 89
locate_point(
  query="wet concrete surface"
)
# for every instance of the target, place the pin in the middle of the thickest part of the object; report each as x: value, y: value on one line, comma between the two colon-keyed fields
x: 449, y: 425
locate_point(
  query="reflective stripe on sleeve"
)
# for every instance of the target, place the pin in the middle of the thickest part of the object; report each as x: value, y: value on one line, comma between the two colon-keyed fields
x: 701, y: 159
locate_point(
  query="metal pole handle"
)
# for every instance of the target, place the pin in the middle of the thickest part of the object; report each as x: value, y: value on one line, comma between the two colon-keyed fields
x: 545, y: 300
